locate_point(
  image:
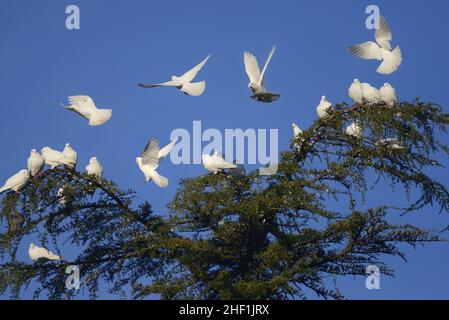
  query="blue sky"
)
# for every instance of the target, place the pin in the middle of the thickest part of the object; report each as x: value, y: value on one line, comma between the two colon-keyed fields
x: 123, y: 43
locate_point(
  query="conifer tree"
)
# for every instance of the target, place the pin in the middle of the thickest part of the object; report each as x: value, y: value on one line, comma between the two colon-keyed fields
x: 245, y: 236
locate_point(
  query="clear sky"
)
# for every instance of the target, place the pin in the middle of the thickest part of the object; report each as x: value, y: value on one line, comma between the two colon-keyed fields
x: 122, y: 43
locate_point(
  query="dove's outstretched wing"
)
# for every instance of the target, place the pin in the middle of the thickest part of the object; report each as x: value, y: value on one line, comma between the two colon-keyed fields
x: 366, y: 50
x: 81, y: 105
x: 383, y: 34
x: 166, y: 150
x: 262, y: 76
x: 251, y: 67
x: 166, y: 84
x: 191, y: 74
x: 85, y: 102
x: 149, y: 155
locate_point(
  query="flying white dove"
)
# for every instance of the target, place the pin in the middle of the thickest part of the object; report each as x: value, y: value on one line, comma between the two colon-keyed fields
x: 41, y: 254
x: 391, y: 60
x: 85, y: 107
x: 149, y: 159
x: 35, y: 163
x: 323, y: 108
x: 216, y: 163
x: 388, y: 94
x: 354, y: 130
x: 70, y: 154
x: 370, y: 94
x: 256, y: 78
x: 355, y: 91
x: 184, y: 82
x: 94, y: 168
x: 296, y: 133
x: 16, y: 182
x: 54, y: 158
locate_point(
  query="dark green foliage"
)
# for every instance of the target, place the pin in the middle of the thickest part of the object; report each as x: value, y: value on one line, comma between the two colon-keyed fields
x: 241, y: 237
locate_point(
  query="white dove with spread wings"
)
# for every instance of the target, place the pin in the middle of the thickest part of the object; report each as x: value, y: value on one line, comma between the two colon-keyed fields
x: 85, y: 107
x: 256, y: 78
x: 149, y: 160
x: 380, y: 50
x: 184, y: 82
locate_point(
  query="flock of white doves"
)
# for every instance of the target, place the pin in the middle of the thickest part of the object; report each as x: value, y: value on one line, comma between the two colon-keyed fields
x: 149, y: 159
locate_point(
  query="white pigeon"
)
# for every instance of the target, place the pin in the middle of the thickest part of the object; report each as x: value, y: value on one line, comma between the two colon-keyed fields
x: 323, y: 108
x: 85, y: 107
x: 41, y: 254
x: 94, y: 168
x: 54, y: 158
x: 71, y: 154
x: 354, y: 130
x: 256, y: 78
x: 16, y: 182
x: 370, y: 94
x: 388, y: 94
x: 149, y: 160
x: 35, y: 163
x: 392, y: 143
x: 355, y: 91
x: 184, y: 82
x: 60, y: 195
x: 296, y: 133
x: 391, y: 60
x: 216, y: 163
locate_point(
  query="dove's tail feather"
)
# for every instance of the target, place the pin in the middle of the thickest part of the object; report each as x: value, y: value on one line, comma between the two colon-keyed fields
x: 3, y: 189
x: 100, y: 117
x: 229, y: 166
x: 159, y: 180
x: 194, y: 89
x: 54, y: 257
x: 392, y: 61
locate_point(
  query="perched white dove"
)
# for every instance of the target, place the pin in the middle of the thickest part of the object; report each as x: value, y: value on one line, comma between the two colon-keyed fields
x: 296, y: 133
x: 70, y: 154
x: 85, y: 107
x: 60, y: 195
x: 54, y: 158
x: 392, y: 143
x: 391, y: 60
x: 355, y: 91
x: 323, y: 108
x: 355, y: 130
x: 370, y: 94
x: 216, y: 163
x: 184, y: 82
x: 149, y: 159
x: 35, y: 163
x: 94, y: 168
x: 16, y: 182
x: 41, y: 254
x: 256, y: 78
x: 388, y: 94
